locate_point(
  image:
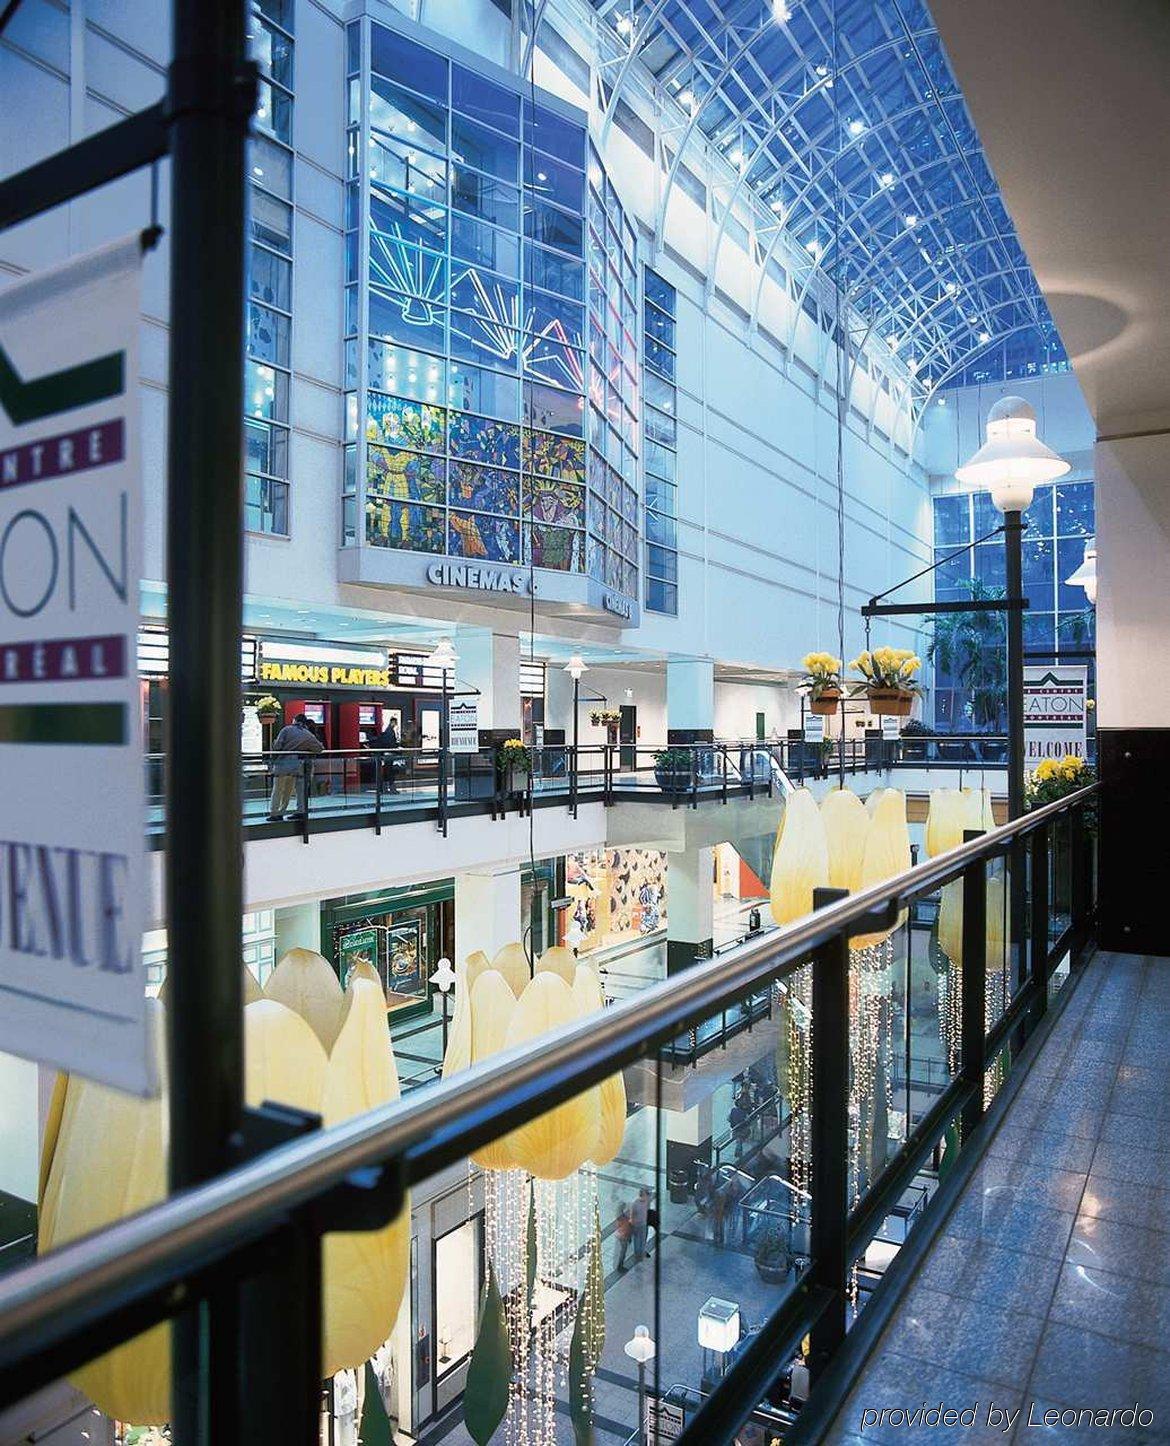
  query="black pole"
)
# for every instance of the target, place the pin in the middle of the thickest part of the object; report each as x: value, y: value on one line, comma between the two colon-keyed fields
x: 211, y: 94
x: 575, y: 781
x: 973, y: 1010
x: 1013, y: 527
x: 829, y: 1135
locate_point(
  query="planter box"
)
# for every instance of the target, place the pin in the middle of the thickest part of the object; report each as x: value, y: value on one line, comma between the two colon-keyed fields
x: 772, y: 1274
x: 893, y: 702
x: 672, y: 780
x: 825, y: 706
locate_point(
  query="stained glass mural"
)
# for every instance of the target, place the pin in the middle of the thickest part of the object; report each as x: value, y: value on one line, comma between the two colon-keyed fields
x: 559, y: 502
x: 405, y: 525
x: 497, y: 539
x: 401, y: 423
x: 480, y: 439
x: 410, y: 476
x: 557, y: 548
x: 485, y: 489
x: 555, y: 456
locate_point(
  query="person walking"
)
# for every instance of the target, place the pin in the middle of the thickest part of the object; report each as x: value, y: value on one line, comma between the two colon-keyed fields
x: 623, y: 1230
x: 387, y: 745
x: 294, y: 741
x: 639, y: 1220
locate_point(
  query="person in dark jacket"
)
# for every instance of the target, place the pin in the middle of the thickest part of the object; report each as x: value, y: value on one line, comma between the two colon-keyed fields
x: 292, y: 743
x: 386, y: 743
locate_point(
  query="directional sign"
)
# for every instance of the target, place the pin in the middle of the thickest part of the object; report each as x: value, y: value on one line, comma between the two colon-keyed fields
x: 72, y: 863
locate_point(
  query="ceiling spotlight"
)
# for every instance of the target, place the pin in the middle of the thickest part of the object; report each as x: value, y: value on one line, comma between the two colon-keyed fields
x: 886, y: 179
x: 624, y: 25
x: 952, y: 287
x: 777, y: 205
x: 781, y: 12
x: 856, y: 128
x: 686, y: 98
x: 984, y: 337
x: 910, y: 219
x: 813, y: 248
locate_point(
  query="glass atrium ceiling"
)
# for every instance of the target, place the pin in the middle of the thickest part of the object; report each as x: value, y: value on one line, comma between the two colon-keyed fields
x: 844, y: 119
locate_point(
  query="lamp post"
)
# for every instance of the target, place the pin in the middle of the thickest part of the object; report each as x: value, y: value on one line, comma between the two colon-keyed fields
x: 443, y: 977
x: 641, y: 1349
x: 575, y: 667
x: 1010, y: 464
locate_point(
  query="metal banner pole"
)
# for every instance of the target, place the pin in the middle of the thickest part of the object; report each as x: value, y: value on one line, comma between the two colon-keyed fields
x: 211, y: 94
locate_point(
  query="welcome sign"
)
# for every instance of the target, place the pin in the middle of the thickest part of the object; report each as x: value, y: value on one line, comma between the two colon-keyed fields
x: 1054, y: 712
x: 72, y: 861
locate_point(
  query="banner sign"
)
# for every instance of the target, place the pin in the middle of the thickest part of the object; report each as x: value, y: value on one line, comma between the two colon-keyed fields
x: 1054, y: 712
x: 463, y: 718
x: 72, y: 861
x: 814, y: 727
x: 891, y: 732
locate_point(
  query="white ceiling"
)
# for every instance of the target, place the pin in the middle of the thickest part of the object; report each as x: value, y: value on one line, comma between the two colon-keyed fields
x: 1072, y: 102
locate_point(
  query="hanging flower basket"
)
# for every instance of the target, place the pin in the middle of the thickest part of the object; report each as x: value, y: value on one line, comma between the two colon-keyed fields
x: 822, y: 681
x: 890, y: 702
x: 888, y: 684
x: 267, y: 708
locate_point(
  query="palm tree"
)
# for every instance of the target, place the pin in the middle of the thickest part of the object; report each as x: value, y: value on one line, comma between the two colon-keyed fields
x: 972, y: 648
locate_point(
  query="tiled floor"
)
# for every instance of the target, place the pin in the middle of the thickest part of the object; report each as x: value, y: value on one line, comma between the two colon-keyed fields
x: 1050, y: 1287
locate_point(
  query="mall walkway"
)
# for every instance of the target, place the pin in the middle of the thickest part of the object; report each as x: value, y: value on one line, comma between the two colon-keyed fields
x: 1050, y: 1286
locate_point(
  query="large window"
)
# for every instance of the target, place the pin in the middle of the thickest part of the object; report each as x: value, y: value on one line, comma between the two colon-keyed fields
x: 660, y: 397
x: 269, y: 297
x: 1058, y: 623
x: 492, y: 353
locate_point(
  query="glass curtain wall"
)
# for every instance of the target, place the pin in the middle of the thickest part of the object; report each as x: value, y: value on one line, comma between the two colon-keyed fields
x: 269, y: 335
x: 661, y: 422
x: 467, y: 359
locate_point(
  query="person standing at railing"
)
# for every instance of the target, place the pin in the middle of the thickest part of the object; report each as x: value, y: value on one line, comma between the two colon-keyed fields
x: 387, y: 745
x: 292, y: 744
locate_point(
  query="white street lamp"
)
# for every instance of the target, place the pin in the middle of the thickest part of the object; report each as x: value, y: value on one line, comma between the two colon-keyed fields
x: 641, y: 1349
x: 1013, y: 461
x: 575, y: 667
x: 443, y: 977
x: 1010, y: 465
x: 1086, y: 575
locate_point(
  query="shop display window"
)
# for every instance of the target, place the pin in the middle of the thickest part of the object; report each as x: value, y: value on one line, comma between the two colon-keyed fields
x: 474, y: 534
x: 405, y: 525
x: 485, y: 489
x: 458, y: 1282
x: 617, y: 895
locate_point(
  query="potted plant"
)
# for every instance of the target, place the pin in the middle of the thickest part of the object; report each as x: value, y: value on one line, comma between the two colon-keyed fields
x: 609, y: 719
x: 1054, y: 778
x: 514, y: 763
x: 822, y: 682
x: 267, y: 708
x: 913, y: 741
x: 773, y: 1261
x: 889, y: 680
x: 672, y: 769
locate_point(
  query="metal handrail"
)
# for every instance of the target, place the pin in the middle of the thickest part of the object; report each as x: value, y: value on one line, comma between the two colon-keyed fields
x: 439, y: 1124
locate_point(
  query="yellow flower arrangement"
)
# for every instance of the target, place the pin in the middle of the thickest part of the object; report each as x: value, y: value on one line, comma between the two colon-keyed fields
x: 1054, y: 778
x: 888, y: 667
x: 822, y: 680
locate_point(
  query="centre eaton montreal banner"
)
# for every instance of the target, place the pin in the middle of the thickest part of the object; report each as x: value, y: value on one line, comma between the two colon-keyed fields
x: 72, y: 860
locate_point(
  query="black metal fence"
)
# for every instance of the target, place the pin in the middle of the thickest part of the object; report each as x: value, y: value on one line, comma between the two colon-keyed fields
x: 248, y: 1241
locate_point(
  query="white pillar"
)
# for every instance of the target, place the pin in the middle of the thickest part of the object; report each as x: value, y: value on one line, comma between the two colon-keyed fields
x: 690, y: 907
x: 491, y: 662
x: 298, y: 927
x: 558, y: 699
x: 690, y: 700
x: 487, y: 912
x: 1133, y: 688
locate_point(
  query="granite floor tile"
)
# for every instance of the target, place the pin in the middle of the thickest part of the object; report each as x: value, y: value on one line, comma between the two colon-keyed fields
x: 971, y: 1337
x: 1148, y: 1104
x: 1030, y: 1146
x: 1127, y: 1201
x: 991, y: 1274
x: 1002, y: 1218
x: 1077, y: 1367
x: 1114, y: 1305
x: 1125, y: 1129
x: 1144, y: 1165
x: 1121, y: 1247
x: 899, y: 1382
x: 1040, y: 1184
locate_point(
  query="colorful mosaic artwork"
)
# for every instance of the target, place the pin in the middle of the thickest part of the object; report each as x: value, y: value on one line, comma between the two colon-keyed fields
x: 479, y: 439
x: 495, y: 539
x: 485, y: 489
x: 553, y: 456
x: 556, y: 548
x: 405, y: 525
x: 410, y: 476
x: 400, y: 423
x: 558, y: 502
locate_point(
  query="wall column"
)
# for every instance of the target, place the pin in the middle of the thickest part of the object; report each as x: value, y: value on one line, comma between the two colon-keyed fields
x: 1133, y: 688
x: 487, y: 912
x: 490, y: 662
x: 298, y: 927
x: 690, y: 700
x: 690, y: 907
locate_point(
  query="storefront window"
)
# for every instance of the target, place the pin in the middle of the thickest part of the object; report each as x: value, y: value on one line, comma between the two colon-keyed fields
x: 617, y: 895
x: 458, y: 1282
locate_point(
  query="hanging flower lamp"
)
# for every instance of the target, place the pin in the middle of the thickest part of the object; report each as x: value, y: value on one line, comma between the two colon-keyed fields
x: 800, y: 862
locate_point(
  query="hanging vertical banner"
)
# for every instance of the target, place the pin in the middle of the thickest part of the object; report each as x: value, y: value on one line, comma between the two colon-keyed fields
x: 463, y: 724
x: 814, y: 727
x: 1054, y: 712
x: 72, y: 863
